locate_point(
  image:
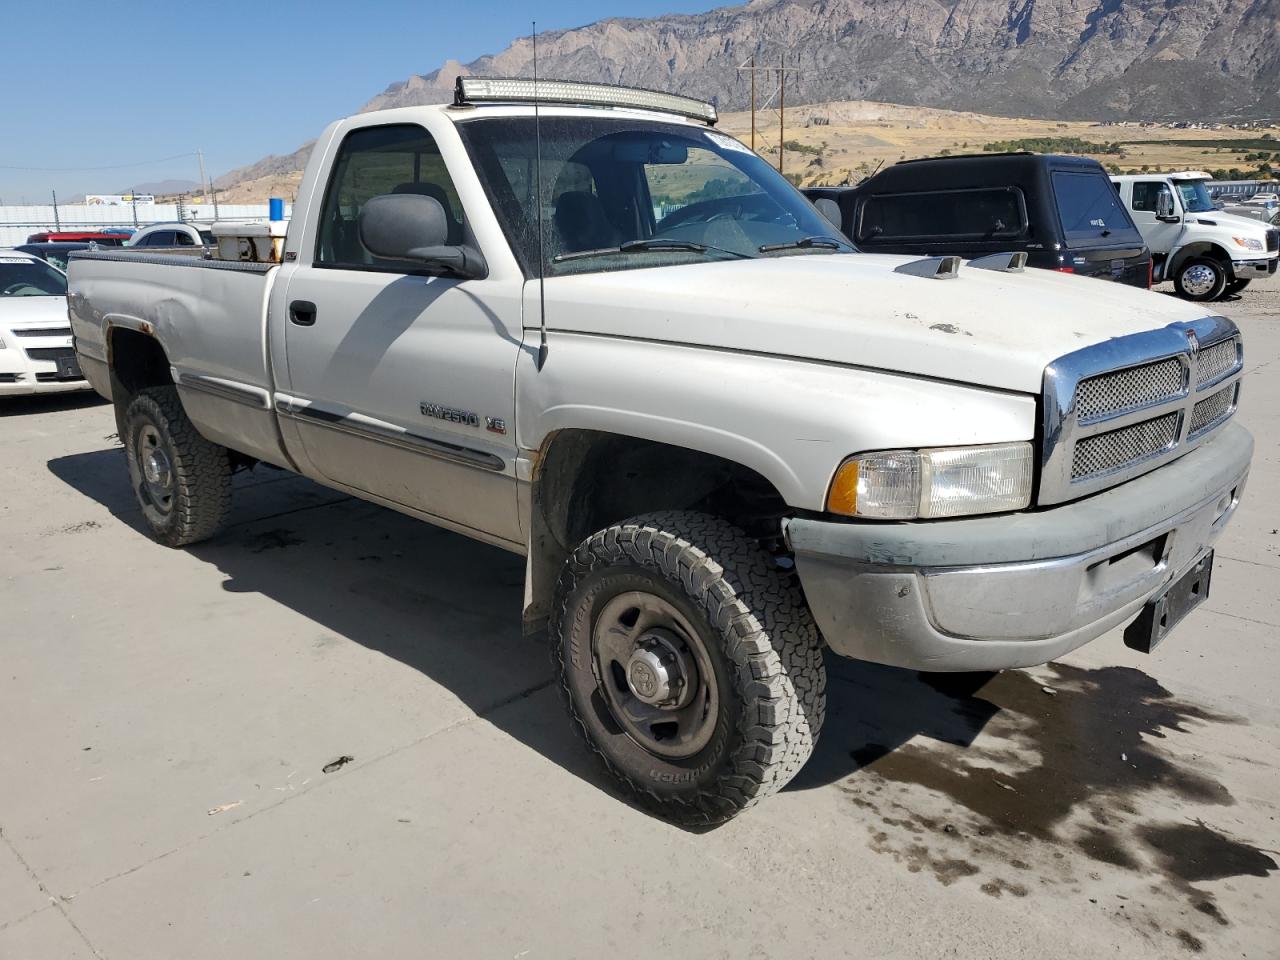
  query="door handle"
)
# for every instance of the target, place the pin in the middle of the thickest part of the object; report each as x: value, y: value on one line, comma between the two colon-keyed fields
x: 302, y: 312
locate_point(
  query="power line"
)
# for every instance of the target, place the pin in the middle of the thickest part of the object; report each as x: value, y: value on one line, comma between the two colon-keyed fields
x: 110, y: 166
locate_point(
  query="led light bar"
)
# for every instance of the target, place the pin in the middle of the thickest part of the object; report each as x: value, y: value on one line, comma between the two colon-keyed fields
x: 520, y: 90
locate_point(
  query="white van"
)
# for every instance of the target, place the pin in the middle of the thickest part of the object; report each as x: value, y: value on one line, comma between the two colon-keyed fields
x: 1205, y: 252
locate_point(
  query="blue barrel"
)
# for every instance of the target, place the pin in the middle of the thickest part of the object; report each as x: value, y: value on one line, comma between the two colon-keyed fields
x: 276, y: 208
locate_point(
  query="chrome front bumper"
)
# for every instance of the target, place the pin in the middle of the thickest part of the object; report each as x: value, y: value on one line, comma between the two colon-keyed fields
x: 1253, y: 269
x: 991, y: 593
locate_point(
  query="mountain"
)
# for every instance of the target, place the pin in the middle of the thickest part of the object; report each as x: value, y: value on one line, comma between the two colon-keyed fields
x: 1098, y: 59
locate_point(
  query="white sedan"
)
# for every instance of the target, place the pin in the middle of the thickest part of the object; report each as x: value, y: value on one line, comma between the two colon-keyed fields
x: 36, y: 355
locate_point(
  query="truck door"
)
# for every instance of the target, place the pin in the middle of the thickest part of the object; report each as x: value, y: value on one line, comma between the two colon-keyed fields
x: 1161, y: 235
x: 401, y: 383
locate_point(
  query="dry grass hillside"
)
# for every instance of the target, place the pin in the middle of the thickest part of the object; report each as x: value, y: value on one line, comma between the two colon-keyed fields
x: 846, y: 140
x: 838, y: 142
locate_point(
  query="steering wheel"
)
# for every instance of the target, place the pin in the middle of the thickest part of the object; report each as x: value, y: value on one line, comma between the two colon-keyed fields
x: 13, y: 288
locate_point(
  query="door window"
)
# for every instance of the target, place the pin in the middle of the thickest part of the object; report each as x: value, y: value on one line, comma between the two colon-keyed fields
x: 1146, y: 194
x: 399, y: 158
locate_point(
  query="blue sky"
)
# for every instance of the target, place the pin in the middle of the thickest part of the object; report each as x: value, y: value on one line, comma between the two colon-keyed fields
x: 91, y: 83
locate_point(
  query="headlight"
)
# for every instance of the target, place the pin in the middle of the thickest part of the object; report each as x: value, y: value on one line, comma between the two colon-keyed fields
x: 1248, y: 243
x: 939, y: 482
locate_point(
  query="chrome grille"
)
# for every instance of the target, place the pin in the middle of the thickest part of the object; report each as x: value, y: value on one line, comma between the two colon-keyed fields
x: 1213, y: 361
x: 1104, y: 452
x: 1123, y: 407
x: 1130, y: 389
x: 42, y: 332
x: 1213, y: 408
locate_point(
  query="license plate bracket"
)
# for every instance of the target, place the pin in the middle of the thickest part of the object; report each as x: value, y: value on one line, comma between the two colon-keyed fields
x: 69, y: 368
x: 1164, y: 612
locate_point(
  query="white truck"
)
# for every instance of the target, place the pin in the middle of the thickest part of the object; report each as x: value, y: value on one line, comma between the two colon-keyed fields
x: 1206, y: 252
x: 597, y: 333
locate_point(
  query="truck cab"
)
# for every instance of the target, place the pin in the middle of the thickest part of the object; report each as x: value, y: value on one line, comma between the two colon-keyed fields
x: 1207, y: 253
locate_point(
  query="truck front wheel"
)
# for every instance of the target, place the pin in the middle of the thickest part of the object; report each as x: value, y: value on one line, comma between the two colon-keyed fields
x: 690, y: 664
x: 1200, y: 279
x: 1235, y: 286
x: 182, y: 481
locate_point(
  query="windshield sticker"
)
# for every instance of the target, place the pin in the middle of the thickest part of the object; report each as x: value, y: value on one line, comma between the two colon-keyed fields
x: 727, y: 143
x: 14, y: 260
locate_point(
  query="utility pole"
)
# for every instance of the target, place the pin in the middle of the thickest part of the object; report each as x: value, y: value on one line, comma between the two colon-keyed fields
x: 780, y: 70
x: 57, y: 223
x: 133, y: 195
x: 782, y: 108
x: 203, y: 182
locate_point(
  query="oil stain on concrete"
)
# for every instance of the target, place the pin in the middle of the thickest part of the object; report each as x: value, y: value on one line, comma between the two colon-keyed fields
x: 1059, y: 788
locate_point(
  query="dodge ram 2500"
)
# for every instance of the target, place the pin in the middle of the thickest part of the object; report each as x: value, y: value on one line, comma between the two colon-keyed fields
x: 600, y: 334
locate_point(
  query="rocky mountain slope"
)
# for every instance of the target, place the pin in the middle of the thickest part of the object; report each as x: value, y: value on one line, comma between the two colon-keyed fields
x: 1098, y: 59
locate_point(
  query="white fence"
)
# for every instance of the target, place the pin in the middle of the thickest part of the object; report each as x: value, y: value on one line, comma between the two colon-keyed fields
x: 19, y: 222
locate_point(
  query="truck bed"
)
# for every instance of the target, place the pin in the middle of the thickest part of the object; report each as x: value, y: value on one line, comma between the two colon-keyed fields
x: 211, y: 317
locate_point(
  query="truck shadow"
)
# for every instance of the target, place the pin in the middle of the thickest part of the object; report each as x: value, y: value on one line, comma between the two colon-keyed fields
x: 449, y: 607
x: 1026, y: 762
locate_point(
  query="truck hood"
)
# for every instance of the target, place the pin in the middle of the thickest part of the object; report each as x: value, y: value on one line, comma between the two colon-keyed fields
x: 981, y: 327
x: 1230, y: 224
x: 19, y: 312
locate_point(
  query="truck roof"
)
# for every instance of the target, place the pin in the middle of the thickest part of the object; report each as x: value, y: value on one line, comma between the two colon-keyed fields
x: 513, y: 97
x: 1178, y: 175
x: 972, y: 170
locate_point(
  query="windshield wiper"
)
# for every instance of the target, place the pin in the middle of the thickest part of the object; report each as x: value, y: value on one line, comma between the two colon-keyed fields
x: 804, y: 243
x: 652, y: 245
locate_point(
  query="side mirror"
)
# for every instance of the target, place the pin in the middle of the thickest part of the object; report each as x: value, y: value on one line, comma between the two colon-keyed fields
x: 410, y: 226
x: 1164, y: 206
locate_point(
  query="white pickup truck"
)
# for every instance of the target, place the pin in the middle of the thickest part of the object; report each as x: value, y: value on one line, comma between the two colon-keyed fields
x: 604, y: 336
x: 1206, y: 252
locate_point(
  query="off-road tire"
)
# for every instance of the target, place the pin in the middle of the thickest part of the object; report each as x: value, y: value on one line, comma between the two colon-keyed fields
x: 1235, y: 286
x: 201, y: 470
x: 752, y: 620
x: 1203, y: 295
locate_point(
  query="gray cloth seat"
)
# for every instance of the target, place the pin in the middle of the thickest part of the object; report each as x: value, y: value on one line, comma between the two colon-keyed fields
x: 581, y: 223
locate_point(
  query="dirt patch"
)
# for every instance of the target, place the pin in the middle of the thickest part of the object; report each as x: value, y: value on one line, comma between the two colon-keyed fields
x: 1054, y: 789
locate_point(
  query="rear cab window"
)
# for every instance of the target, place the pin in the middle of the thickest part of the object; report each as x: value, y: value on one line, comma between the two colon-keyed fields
x: 1090, y: 210
x: 975, y: 214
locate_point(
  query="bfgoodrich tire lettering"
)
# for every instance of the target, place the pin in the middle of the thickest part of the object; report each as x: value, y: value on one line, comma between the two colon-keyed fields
x: 754, y: 640
x: 182, y: 481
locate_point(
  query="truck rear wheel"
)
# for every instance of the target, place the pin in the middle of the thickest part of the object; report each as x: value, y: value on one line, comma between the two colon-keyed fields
x: 1200, y: 279
x: 182, y: 481
x: 690, y: 664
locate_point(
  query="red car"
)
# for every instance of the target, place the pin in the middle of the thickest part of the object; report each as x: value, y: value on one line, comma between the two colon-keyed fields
x: 80, y: 236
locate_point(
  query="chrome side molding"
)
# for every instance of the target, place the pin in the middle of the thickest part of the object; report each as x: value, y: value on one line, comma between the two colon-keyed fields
x: 933, y: 268
x: 1003, y: 262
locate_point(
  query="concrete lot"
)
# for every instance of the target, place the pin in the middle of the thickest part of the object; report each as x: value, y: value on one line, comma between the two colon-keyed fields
x: 167, y: 715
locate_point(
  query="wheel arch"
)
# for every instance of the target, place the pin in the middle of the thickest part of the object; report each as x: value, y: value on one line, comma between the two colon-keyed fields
x: 136, y: 360
x: 1201, y: 248
x: 585, y: 479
